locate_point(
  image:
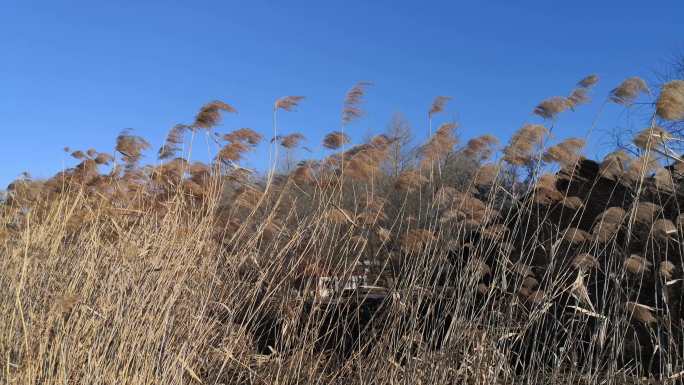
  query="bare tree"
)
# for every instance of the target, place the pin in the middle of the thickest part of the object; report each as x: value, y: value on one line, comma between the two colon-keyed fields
x: 401, y: 152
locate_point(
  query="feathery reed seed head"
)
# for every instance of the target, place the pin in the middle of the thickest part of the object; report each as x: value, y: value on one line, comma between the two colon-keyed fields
x: 670, y: 104
x: 628, y: 91
x: 288, y: 103
x: 335, y: 140
x: 352, y: 102
x: 550, y: 108
x: 438, y: 105
x: 588, y: 81
x: 523, y: 143
x: 210, y: 114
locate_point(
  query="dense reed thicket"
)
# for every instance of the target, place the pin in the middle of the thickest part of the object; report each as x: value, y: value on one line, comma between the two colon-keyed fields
x: 484, y: 263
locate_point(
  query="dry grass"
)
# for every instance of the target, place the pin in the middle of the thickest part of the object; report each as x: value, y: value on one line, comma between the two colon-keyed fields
x: 188, y: 272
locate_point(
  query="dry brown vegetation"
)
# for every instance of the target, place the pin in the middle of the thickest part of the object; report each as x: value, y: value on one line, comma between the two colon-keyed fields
x: 527, y: 263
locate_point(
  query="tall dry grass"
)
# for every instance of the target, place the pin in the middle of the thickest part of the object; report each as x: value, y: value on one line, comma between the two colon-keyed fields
x: 522, y: 264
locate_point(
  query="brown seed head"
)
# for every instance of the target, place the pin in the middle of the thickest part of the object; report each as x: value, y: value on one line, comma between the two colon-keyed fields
x: 303, y: 173
x: 416, y: 239
x: 486, y: 175
x: 664, y: 229
x: 530, y: 282
x: 670, y: 105
x: 245, y: 135
x: 575, y: 235
x: 232, y: 152
x: 588, y: 81
x: 637, y: 265
x: 103, y: 158
x: 210, y: 114
x: 628, y: 91
x: 289, y: 141
x: 131, y: 147
x: 336, y: 215
x: 523, y: 144
x: 614, y: 165
x: 410, y: 180
x: 585, y: 261
x: 78, y: 154
x: 438, y: 105
x: 607, y: 224
x: 551, y: 107
x: 642, y: 167
x: 577, y: 96
x: 667, y: 270
x: 288, y: 103
x: 172, y: 143
x: 573, y: 203
x: 352, y: 102
x: 566, y: 153
x: 481, y: 147
x: 439, y: 144
x: 652, y: 137
x: 646, y: 212
x: 335, y: 140
x: 663, y: 180
x: 641, y: 313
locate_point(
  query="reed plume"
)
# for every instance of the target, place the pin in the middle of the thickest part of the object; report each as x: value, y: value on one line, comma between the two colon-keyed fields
x: 628, y: 91
x: 575, y: 235
x: 289, y: 141
x: 335, y: 140
x: 577, y: 97
x: 641, y: 313
x: 588, y: 81
x: 486, y: 175
x: 352, y: 102
x: 131, y: 147
x: 585, y: 262
x: 573, y: 203
x: 670, y: 104
x: 78, y: 154
x: 652, y: 137
x: 337, y: 216
x: 303, y: 173
x: 440, y: 144
x: 438, y: 105
x: 666, y: 270
x: 637, y: 265
x: 246, y: 135
x: 663, y: 180
x: 210, y: 114
x: 550, y: 108
x: 172, y: 143
x: 481, y: 148
x: 565, y: 152
x: 416, y: 239
x: 238, y: 143
x: 409, y: 180
x: 103, y: 158
x: 664, y: 229
x: 646, y: 212
x: 523, y: 143
x: 288, y: 103
x: 614, y: 165
x: 641, y: 167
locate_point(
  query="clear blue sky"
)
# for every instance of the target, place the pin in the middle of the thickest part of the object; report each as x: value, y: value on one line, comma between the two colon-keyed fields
x: 75, y: 73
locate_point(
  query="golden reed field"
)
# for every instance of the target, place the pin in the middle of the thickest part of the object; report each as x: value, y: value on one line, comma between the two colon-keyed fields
x: 475, y: 262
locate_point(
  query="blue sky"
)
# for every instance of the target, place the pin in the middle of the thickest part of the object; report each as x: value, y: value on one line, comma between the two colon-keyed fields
x: 75, y: 73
